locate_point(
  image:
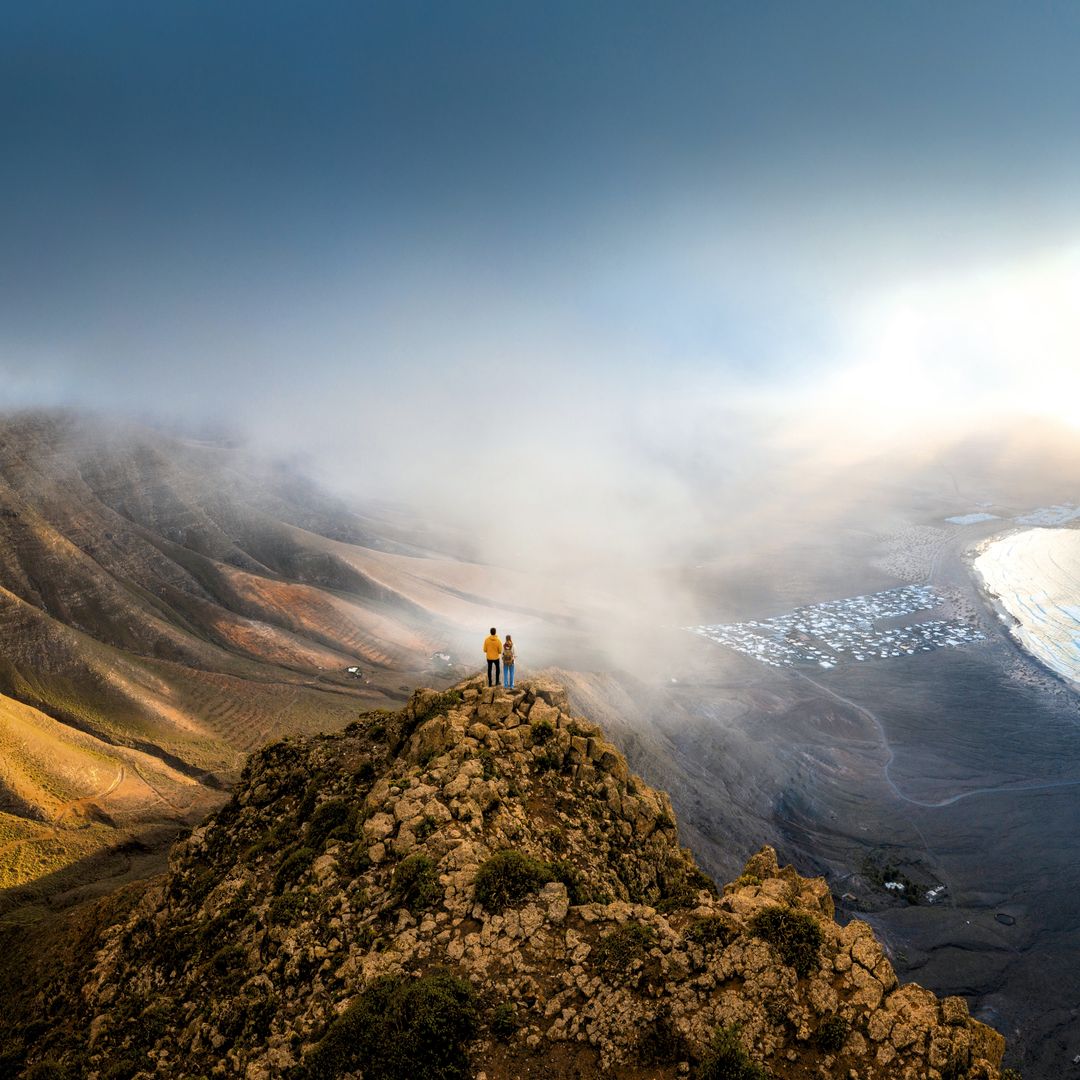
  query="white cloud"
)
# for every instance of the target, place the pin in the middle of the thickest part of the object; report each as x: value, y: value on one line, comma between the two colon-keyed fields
x: 955, y: 349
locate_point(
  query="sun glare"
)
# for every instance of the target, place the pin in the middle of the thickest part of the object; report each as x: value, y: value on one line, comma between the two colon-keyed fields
x: 996, y: 341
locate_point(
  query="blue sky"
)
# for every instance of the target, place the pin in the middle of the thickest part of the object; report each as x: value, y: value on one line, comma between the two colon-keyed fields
x: 308, y: 214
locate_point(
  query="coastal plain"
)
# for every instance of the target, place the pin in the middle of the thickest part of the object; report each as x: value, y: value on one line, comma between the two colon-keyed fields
x: 938, y: 792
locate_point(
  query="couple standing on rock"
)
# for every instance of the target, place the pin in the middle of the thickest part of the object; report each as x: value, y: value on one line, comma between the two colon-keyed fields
x: 494, y: 650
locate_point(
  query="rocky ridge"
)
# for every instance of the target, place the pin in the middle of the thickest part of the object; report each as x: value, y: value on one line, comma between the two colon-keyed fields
x: 477, y: 886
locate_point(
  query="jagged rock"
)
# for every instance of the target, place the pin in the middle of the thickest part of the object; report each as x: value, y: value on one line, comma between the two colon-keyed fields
x: 338, y: 864
x: 543, y: 713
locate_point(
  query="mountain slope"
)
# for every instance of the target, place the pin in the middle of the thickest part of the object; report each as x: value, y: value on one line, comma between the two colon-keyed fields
x: 168, y: 605
x: 475, y: 885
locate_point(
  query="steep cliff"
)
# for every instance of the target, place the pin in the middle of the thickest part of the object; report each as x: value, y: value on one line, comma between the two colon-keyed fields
x: 477, y: 886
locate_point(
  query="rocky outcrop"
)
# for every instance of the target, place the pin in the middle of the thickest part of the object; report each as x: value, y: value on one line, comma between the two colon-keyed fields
x: 480, y: 880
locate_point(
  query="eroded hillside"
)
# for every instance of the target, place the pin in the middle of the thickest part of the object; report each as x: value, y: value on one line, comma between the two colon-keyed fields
x: 166, y: 606
x: 476, y: 886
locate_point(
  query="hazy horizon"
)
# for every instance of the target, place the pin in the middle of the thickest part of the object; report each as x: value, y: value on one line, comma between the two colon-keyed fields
x: 620, y: 270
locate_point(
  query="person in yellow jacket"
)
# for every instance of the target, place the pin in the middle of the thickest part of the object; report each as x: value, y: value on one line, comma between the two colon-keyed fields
x: 493, y: 651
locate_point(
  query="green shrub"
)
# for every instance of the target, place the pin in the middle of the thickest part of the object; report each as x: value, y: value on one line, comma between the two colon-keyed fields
x: 503, y: 1021
x: 746, y: 880
x: 778, y: 1011
x: 615, y: 951
x: 427, y: 826
x: 222, y: 926
x: 660, y: 1042
x: 155, y: 1019
x: 230, y: 964
x: 257, y: 1013
x: 795, y: 935
x: 49, y: 1069
x: 542, y: 731
x: 709, y: 930
x: 727, y: 1060
x: 549, y: 761
x: 555, y: 838
x: 508, y: 877
x: 328, y: 817
x: 311, y: 797
x: 680, y: 883
x: 122, y: 1067
x: 440, y: 703
x: 416, y: 883
x: 564, y: 871
x: 226, y: 958
x: 400, y: 1028
x: 832, y: 1034
x: 356, y: 860
x: 271, y: 840
x: 287, y: 909
x: 292, y: 867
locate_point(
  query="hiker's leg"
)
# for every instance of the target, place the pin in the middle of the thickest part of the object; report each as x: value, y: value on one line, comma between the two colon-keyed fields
x: 498, y: 680
x: 490, y: 662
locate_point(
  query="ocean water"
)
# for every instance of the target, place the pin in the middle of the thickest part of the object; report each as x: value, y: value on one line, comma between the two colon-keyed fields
x: 1035, y: 575
x: 971, y: 519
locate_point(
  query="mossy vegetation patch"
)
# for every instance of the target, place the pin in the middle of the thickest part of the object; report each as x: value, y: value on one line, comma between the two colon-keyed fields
x: 400, y: 1028
x: 831, y: 1034
x: 727, y: 1059
x: 415, y: 883
x: 710, y: 930
x: 680, y: 883
x: 508, y: 877
x: 503, y: 1021
x: 438, y: 704
x: 293, y: 867
x: 660, y: 1041
x: 542, y: 732
x: 335, y: 817
x: 617, y: 950
x: 290, y: 908
x: 795, y: 935
x: 550, y: 760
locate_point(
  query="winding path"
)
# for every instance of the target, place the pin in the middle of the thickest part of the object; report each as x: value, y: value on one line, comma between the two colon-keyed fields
x: 1000, y: 789
x: 65, y: 808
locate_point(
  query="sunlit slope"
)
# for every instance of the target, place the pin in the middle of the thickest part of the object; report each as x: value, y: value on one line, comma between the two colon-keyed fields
x: 65, y: 794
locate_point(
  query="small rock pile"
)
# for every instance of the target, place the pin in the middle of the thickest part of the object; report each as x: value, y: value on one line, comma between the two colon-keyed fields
x: 491, y: 850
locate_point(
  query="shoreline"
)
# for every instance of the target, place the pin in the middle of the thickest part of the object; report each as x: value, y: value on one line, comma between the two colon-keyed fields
x: 1025, y: 635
